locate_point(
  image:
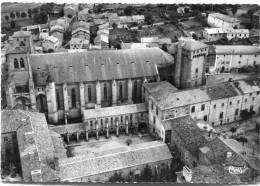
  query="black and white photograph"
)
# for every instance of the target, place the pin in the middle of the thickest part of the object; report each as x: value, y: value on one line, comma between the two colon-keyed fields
x: 137, y: 92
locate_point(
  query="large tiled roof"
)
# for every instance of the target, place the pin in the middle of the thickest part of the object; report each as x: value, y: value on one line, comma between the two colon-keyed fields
x: 192, y: 137
x: 221, y: 90
x: 236, y: 49
x: 78, y: 167
x: 97, y: 65
x: 224, y: 17
x: 171, y: 98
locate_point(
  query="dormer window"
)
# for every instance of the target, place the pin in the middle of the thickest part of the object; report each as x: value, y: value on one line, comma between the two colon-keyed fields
x: 16, y: 65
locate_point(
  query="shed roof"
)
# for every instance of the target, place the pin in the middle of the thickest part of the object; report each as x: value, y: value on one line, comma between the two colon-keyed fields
x: 133, y: 156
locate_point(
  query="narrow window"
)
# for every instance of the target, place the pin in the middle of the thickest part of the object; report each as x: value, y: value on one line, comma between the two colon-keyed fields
x: 105, y: 92
x: 73, y: 98
x: 202, y: 107
x: 236, y: 112
x: 221, y: 115
x: 16, y: 65
x: 120, y: 90
x: 205, y: 118
x: 197, y: 70
x: 192, y: 109
x: 89, y: 93
x: 21, y: 63
x: 58, y: 99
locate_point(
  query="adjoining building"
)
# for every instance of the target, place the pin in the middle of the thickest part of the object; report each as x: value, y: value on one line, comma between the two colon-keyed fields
x: 222, y: 21
x: 216, y: 104
x: 25, y: 134
x: 226, y: 58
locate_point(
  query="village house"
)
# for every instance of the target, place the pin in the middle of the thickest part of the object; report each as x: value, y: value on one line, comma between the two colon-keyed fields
x: 222, y: 21
x: 50, y: 44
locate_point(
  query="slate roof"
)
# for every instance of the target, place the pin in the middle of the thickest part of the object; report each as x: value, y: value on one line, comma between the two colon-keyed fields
x: 170, y: 98
x: 157, y: 89
x: 236, y: 49
x: 135, y: 155
x: 221, y: 90
x: 192, y: 137
x: 97, y: 65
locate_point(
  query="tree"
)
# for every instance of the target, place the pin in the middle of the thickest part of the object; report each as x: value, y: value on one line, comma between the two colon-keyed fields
x: 243, y: 139
x: 114, y: 25
x: 174, y: 18
x: 128, y: 10
x: 186, y: 10
x: 149, y: 19
x: 250, y: 13
x: 117, y: 177
x: 6, y: 18
x: 12, y: 24
x: 23, y: 14
x: 245, y: 114
x: 47, y: 7
x: 12, y: 15
x: 98, y: 8
x: 18, y: 14
x: 194, y: 36
x: 147, y: 174
x: 257, y: 127
x: 128, y: 141
x: 164, y: 47
x: 40, y: 18
x: 29, y: 13
x: 234, y: 9
x: 35, y: 11
x: 233, y: 130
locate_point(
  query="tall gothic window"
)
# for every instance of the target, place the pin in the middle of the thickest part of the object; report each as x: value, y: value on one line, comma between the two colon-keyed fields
x: 120, y: 90
x: 58, y: 99
x: 135, y: 92
x: 21, y: 63
x: 16, y: 65
x: 89, y: 93
x: 105, y: 92
x: 73, y: 98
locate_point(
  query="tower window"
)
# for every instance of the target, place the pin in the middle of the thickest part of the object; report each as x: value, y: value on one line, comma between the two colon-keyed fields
x: 221, y: 115
x: 21, y: 63
x: 192, y: 109
x: 58, y: 99
x: 16, y: 65
x: 197, y: 70
x: 202, y: 107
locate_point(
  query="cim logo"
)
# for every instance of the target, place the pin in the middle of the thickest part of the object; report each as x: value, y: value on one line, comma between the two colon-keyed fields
x: 237, y: 170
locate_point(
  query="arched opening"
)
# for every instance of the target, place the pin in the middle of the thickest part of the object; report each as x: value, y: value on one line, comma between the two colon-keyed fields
x: 41, y: 103
x: 22, y: 63
x: 16, y: 65
x: 120, y: 91
x: 23, y: 100
x: 222, y: 69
